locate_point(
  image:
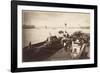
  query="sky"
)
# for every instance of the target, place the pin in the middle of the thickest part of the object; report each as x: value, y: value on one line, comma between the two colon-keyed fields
x: 55, y: 19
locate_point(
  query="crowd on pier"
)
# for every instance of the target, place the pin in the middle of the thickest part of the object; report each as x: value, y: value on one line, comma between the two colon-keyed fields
x: 77, y: 43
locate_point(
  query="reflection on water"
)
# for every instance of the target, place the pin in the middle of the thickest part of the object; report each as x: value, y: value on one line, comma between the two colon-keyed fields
x: 38, y: 35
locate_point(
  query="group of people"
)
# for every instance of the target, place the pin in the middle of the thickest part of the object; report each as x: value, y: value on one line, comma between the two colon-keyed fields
x: 75, y: 43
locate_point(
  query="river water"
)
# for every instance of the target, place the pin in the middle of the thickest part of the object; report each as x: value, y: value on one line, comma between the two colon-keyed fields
x: 38, y: 35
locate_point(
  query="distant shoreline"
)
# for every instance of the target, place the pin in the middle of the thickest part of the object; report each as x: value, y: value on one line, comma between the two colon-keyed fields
x: 33, y: 27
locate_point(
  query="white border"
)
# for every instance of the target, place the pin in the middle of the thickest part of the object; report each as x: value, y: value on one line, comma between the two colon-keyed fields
x: 53, y: 63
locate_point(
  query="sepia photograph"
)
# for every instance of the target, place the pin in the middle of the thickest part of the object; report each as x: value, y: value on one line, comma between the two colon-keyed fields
x: 51, y: 36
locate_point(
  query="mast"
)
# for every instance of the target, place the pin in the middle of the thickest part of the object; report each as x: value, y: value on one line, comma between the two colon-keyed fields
x: 65, y: 27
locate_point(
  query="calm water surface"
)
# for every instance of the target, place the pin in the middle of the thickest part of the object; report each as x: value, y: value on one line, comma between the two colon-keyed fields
x: 38, y: 35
